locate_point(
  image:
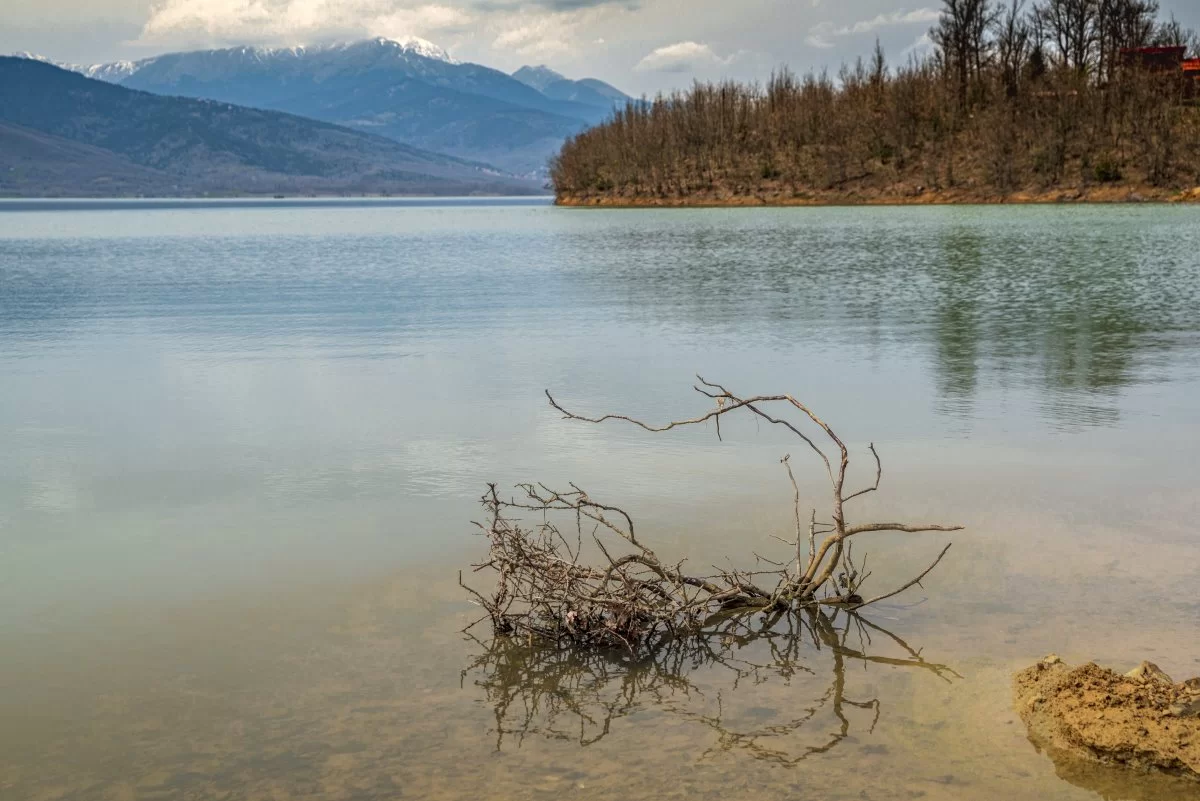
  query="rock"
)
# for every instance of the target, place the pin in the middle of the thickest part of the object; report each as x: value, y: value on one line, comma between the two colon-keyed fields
x: 1141, y: 720
x: 1051, y: 659
x: 1185, y: 709
x: 1147, y: 672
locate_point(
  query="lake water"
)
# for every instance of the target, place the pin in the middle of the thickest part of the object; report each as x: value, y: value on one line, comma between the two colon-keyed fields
x: 241, y: 446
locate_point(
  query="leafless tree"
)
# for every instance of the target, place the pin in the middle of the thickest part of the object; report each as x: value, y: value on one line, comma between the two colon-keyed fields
x: 1122, y: 25
x: 961, y: 36
x: 1071, y: 30
x: 1014, y: 38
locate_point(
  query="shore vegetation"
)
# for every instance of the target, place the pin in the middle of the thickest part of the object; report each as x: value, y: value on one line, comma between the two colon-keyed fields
x: 1059, y: 100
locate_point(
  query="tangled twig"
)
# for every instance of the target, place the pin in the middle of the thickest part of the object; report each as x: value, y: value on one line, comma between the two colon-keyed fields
x: 631, y: 599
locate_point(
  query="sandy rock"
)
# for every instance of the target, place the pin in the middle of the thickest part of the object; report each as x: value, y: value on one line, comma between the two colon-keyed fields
x: 1148, y: 671
x: 1141, y: 720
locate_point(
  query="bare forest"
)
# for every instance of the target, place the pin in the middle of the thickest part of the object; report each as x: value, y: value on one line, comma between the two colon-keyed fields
x: 1059, y: 100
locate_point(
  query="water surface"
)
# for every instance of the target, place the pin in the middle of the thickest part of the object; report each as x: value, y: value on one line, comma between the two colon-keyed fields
x: 242, y: 444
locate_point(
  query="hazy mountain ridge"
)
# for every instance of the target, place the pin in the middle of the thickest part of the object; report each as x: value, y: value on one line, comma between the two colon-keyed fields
x: 113, y: 72
x: 557, y: 86
x: 408, y: 90
x: 73, y: 131
x: 538, y: 77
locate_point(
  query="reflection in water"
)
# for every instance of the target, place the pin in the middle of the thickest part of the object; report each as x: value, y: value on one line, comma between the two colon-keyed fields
x: 1114, y: 783
x: 1074, y: 305
x: 1082, y: 328
x: 957, y: 313
x: 579, y: 695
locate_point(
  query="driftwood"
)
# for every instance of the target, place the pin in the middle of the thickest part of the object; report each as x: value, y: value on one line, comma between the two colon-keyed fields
x: 548, y: 589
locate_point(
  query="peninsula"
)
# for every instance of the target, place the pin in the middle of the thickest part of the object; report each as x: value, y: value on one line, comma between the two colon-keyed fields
x: 1006, y: 106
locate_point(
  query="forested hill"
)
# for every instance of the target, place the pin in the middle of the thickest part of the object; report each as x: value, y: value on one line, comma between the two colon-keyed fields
x: 1009, y: 105
x: 65, y: 134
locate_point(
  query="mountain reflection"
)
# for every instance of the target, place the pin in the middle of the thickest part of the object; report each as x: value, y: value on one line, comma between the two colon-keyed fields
x: 796, y: 665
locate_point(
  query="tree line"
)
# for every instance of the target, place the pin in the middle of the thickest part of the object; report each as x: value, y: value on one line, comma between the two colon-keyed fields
x: 1010, y: 98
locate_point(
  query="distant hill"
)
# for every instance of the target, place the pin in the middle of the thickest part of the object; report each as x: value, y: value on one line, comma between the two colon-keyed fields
x: 37, y: 163
x: 62, y: 133
x: 589, y: 91
x: 408, y: 90
x: 538, y: 77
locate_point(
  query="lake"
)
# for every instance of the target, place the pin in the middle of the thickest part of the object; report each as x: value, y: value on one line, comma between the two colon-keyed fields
x: 243, y: 443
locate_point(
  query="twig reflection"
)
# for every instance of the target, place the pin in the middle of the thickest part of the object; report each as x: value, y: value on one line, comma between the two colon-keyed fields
x: 578, y: 694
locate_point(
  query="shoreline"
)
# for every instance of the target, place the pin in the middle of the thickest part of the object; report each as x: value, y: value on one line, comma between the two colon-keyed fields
x: 965, y: 197
x: 318, y: 196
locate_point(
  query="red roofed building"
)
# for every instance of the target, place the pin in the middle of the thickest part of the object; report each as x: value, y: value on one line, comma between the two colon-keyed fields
x: 1166, y: 59
x: 1191, y: 69
x: 1156, y: 59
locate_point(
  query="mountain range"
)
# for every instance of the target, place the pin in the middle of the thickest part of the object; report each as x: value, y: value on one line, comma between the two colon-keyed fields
x: 62, y: 133
x: 588, y: 91
x: 409, y: 90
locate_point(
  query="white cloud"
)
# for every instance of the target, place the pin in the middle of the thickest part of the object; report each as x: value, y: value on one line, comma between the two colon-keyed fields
x: 536, y: 32
x: 537, y: 36
x: 493, y: 32
x: 680, y: 57
x: 427, y: 20
x: 296, y: 21
x: 823, y: 33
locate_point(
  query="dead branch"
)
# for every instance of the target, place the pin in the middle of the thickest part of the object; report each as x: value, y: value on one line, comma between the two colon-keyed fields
x: 632, y: 599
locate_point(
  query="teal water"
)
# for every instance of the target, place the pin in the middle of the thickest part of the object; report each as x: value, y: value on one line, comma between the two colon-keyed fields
x: 242, y: 442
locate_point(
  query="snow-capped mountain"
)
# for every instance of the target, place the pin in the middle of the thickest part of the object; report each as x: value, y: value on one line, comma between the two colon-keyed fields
x: 64, y: 133
x: 119, y: 71
x: 114, y: 72
x: 407, y: 89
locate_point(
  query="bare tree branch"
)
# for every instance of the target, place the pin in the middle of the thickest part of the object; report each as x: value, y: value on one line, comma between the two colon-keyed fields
x: 633, y: 601
x: 917, y: 580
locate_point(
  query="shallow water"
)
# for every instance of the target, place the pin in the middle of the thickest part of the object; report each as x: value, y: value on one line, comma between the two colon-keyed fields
x: 242, y: 445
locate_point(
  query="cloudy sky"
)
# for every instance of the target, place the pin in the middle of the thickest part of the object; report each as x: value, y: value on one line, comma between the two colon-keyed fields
x: 639, y: 45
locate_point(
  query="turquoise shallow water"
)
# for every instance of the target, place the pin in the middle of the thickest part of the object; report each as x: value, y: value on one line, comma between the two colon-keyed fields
x: 242, y: 442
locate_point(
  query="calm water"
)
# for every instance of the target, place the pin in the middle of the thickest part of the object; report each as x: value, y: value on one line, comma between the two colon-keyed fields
x: 242, y: 442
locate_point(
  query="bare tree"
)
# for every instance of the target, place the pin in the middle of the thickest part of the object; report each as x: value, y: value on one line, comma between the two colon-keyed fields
x: 547, y: 590
x: 1071, y: 30
x: 879, y: 68
x: 961, y: 36
x: 1122, y: 25
x: 1014, y: 39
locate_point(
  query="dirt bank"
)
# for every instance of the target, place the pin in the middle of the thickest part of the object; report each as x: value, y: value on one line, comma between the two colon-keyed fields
x: 891, y: 196
x: 1141, y: 720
